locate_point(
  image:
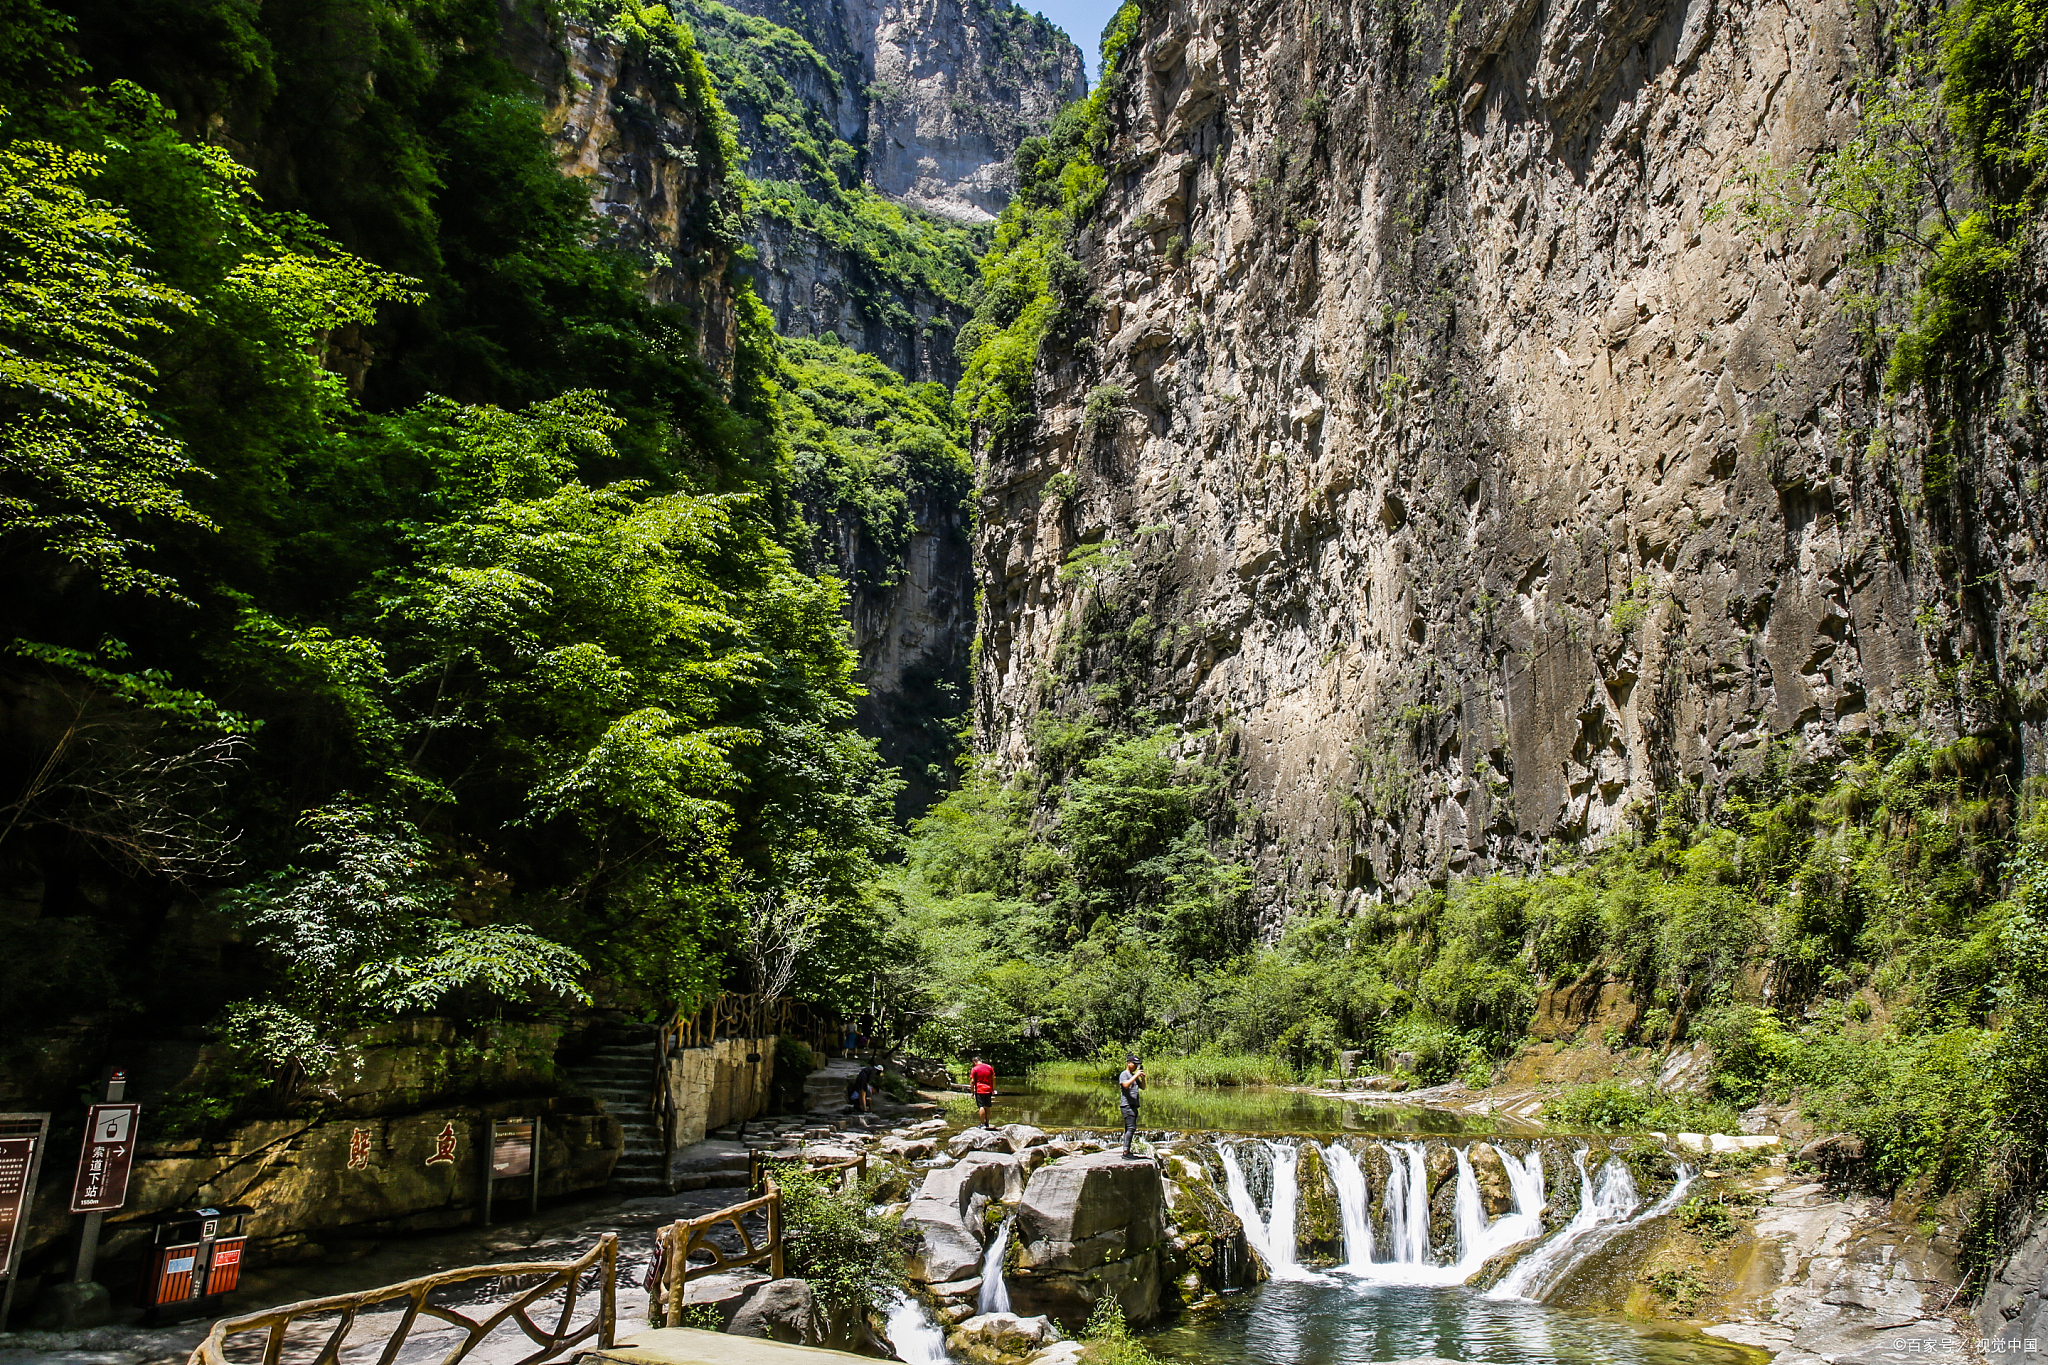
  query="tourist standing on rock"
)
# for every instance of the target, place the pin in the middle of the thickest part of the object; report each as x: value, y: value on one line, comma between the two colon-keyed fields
x: 982, y: 1080
x: 1131, y: 1081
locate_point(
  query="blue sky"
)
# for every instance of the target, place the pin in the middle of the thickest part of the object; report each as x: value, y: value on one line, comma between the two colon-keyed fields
x: 1082, y: 19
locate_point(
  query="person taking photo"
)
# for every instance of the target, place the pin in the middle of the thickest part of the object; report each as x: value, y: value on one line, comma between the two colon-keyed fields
x: 1131, y: 1083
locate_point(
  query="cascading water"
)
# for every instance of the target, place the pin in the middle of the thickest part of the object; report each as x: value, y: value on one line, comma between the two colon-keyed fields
x: 995, y: 1292
x: 1608, y: 1206
x: 1608, y: 1203
x: 1354, y: 1204
x: 1409, y: 1257
x: 917, y: 1339
x: 1271, y: 1235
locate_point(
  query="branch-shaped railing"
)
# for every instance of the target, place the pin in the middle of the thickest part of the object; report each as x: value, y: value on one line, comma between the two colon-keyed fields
x: 563, y: 1276
x: 676, y: 1245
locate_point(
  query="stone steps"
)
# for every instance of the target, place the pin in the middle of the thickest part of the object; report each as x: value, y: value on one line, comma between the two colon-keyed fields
x: 620, y: 1077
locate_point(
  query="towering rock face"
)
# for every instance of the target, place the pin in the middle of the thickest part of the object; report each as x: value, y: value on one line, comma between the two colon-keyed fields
x: 621, y: 124
x: 1452, y: 457
x: 955, y: 85
x: 923, y: 102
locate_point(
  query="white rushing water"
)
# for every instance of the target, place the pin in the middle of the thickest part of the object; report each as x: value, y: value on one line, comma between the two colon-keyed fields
x: 1271, y: 1235
x: 1409, y: 1258
x: 1608, y: 1206
x: 1354, y: 1204
x: 917, y: 1340
x: 995, y: 1291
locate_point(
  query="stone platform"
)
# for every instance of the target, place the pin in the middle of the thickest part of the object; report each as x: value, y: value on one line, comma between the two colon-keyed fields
x: 689, y: 1346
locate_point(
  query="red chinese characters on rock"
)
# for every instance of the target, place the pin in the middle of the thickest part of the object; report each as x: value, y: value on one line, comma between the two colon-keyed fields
x: 444, y: 1146
x: 359, y: 1150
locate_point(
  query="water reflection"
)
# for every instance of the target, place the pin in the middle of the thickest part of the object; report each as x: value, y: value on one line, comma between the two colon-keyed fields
x: 1060, y: 1103
x: 1297, y: 1323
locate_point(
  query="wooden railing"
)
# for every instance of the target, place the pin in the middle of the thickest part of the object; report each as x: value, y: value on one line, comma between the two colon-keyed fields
x: 676, y: 1244
x: 565, y: 1276
x: 728, y: 1016
x: 757, y: 1166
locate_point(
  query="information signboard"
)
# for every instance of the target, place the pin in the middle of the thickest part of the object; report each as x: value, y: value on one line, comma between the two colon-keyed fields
x: 511, y: 1148
x: 17, y: 1161
x: 102, y: 1184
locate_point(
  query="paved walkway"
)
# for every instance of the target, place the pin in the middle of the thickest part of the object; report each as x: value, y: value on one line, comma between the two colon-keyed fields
x: 556, y: 1234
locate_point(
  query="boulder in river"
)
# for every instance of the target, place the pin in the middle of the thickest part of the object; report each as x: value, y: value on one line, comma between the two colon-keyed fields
x: 1090, y: 1226
x: 951, y: 1233
x: 978, y: 1140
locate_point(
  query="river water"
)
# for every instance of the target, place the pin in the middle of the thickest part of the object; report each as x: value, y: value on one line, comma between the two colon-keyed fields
x: 1345, y: 1320
x: 1394, y: 1295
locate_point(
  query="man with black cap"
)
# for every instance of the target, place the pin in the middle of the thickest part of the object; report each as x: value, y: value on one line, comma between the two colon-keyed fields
x: 1131, y: 1080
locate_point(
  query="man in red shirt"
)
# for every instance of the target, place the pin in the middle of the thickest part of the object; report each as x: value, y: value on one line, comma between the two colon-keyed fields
x: 982, y: 1080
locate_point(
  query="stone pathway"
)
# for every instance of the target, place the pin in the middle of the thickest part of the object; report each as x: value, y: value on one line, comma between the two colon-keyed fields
x: 711, y: 1175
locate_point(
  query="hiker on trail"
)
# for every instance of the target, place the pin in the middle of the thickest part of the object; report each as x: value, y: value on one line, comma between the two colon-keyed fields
x: 982, y: 1080
x: 1131, y: 1081
x: 852, y: 1040
x: 865, y: 1082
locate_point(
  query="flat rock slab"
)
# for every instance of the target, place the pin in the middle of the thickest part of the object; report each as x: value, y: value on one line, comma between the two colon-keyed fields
x: 689, y: 1346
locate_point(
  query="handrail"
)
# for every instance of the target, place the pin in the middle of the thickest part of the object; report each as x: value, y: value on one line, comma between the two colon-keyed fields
x: 726, y: 1016
x: 564, y: 1275
x: 757, y: 1164
x: 675, y: 1244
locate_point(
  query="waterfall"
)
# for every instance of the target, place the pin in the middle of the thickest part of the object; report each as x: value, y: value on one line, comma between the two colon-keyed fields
x: 1280, y: 1231
x: 1470, y: 1213
x: 1354, y: 1204
x: 1243, y: 1205
x: 1271, y: 1235
x: 1607, y: 1207
x: 1409, y: 1258
x: 995, y: 1293
x: 917, y: 1340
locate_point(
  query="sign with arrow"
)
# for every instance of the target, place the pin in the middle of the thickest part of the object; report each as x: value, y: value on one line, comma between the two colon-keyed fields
x: 102, y: 1184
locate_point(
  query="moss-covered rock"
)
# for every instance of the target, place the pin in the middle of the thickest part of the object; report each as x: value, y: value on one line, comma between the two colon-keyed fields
x: 1318, y: 1224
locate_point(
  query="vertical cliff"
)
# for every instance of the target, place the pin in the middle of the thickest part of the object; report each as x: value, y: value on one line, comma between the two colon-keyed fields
x: 876, y: 134
x: 1472, y: 417
x: 633, y: 121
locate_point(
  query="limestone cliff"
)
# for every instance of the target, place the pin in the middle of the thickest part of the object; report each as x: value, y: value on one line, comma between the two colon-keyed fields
x: 1456, y: 461
x: 923, y: 104
x: 622, y: 122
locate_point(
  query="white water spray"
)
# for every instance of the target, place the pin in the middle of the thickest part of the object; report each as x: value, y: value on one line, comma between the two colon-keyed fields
x: 1608, y: 1206
x: 1409, y: 1256
x: 917, y: 1340
x: 1354, y: 1204
x: 1272, y: 1236
x: 995, y: 1292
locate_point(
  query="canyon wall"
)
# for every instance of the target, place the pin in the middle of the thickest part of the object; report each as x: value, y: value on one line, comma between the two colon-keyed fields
x: 853, y: 117
x: 1458, y: 471
x: 920, y: 101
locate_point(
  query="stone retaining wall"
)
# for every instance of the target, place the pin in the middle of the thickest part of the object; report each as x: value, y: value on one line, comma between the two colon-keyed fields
x: 724, y: 1083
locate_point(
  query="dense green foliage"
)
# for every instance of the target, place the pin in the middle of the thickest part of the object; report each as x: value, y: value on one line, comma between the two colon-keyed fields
x: 490, y: 669
x: 851, y: 1255
x: 1860, y: 936
x: 1032, y: 289
x: 865, y: 446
